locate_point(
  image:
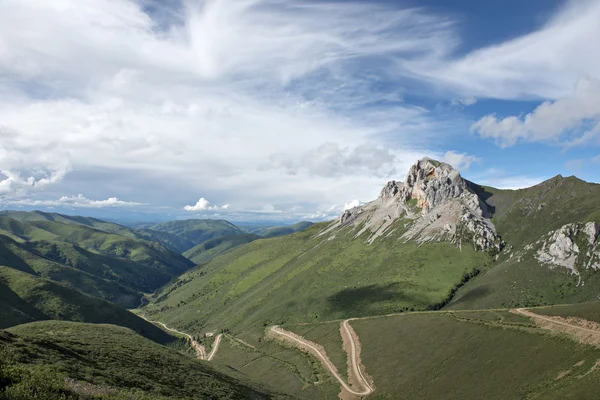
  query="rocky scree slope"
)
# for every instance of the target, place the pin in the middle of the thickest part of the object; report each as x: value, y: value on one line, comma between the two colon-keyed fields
x: 435, y: 203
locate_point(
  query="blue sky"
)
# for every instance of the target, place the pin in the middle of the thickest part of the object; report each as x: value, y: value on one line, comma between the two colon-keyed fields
x: 286, y: 110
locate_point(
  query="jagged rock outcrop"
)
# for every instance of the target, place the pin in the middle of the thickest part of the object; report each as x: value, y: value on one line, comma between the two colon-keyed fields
x: 573, y: 246
x: 431, y: 183
x: 435, y: 202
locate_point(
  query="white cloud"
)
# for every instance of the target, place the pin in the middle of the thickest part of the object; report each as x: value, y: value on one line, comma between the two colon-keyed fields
x: 571, y: 120
x: 352, y: 204
x: 542, y: 64
x: 596, y: 159
x: 101, y: 86
x: 204, y: 205
x: 500, y: 179
x: 79, y: 201
x: 233, y: 97
x: 460, y: 161
x: 330, y: 160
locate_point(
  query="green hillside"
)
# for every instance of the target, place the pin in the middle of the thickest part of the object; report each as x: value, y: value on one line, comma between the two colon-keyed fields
x: 120, y: 362
x: 308, y: 277
x: 106, y: 265
x: 212, y: 248
x: 191, y: 232
x: 77, y: 268
x: 522, y: 217
x: 481, y: 355
x: 26, y: 298
x: 170, y: 241
x: 273, y: 231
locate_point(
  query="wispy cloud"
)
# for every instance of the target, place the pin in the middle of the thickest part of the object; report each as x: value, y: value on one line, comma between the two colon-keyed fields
x: 542, y: 64
x: 79, y: 201
x: 285, y: 102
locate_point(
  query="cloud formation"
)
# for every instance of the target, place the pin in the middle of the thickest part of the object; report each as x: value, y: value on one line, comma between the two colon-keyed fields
x: 289, y: 102
x: 460, y: 161
x: 331, y: 160
x: 204, y: 205
x: 79, y: 201
x: 572, y: 120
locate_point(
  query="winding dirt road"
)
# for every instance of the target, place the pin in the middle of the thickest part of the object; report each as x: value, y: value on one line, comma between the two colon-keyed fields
x: 200, y: 350
x: 355, y: 361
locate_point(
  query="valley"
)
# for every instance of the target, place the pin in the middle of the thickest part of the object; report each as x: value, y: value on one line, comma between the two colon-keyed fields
x: 439, y: 288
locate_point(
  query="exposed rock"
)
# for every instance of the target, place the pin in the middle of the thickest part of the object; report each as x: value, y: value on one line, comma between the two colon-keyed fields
x: 436, y: 204
x: 560, y: 248
x: 431, y: 183
x: 390, y: 190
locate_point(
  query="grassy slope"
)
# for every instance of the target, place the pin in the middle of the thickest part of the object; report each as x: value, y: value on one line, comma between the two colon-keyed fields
x: 212, y: 248
x: 589, y: 311
x: 192, y: 232
x: 522, y: 217
x: 169, y: 241
x: 304, y: 277
x: 107, y: 265
x: 87, y: 274
x: 419, y: 356
x: 24, y: 298
x: 273, y: 231
x: 280, y: 368
x: 114, y: 356
x: 327, y: 335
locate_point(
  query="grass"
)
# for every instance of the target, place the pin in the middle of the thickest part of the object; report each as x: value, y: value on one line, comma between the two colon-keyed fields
x: 273, y: 231
x: 327, y: 335
x: 305, y: 277
x: 26, y: 298
x: 589, y: 311
x: 433, y: 356
x: 113, y: 267
x: 191, y: 232
x: 522, y: 217
x: 206, y: 251
x: 117, y: 357
x: 279, y: 368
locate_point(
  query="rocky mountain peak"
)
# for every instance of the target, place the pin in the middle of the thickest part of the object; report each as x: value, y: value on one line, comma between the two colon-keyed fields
x: 432, y: 183
x: 436, y: 203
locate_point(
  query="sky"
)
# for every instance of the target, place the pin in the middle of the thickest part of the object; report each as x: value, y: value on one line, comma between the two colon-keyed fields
x: 286, y: 110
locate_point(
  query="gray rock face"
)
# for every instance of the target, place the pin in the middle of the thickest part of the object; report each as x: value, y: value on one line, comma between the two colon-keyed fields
x: 391, y: 189
x: 560, y: 248
x: 431, y: 183
x: 436, y: 203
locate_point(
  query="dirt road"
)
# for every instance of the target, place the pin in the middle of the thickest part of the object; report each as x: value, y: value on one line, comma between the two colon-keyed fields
x: 355, y: 361
x: 215, y: 347
x: 200, y: 350
x: 530, y: 314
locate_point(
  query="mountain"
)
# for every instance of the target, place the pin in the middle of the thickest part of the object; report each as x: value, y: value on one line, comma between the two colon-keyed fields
x: 191, y: 232
x: 553, y: 252
x: 111, y: 362
x: 435, y: 240
x: 411, y: 248
x: 26, y: 298
x: 108, y: 265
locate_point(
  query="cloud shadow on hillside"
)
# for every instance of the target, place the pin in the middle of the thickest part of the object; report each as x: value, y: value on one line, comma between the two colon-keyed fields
x: 358, y: 301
